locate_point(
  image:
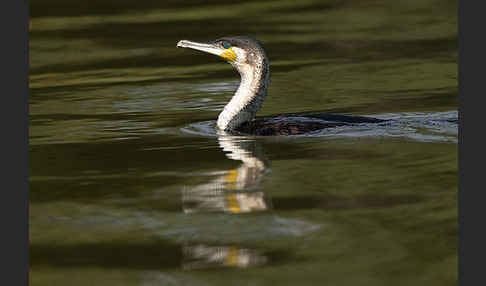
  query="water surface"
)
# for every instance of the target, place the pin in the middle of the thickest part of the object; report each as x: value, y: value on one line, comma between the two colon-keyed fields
x: 130, y: 184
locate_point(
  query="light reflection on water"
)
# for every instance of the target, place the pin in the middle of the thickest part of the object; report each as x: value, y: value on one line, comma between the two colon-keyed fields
x: 167, y: 97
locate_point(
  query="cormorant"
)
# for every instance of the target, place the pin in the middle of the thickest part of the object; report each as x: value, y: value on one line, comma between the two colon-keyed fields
x: 249, y: 58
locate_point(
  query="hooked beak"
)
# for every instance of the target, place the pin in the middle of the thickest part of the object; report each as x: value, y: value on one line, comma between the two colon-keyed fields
x: 227, y: 54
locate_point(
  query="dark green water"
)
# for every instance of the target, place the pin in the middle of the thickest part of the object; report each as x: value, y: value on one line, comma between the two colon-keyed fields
x: 129, y: 184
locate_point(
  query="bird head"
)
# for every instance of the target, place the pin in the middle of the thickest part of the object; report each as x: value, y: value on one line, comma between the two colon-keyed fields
x: 240, y: 51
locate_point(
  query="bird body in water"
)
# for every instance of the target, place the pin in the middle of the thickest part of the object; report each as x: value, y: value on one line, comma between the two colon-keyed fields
x: 249, y: 58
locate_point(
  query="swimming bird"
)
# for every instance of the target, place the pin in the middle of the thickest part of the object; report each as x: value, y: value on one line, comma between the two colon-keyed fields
x: 249, y: 58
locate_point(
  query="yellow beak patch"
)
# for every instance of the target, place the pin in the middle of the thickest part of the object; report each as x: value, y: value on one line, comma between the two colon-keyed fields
x: 228, y: 55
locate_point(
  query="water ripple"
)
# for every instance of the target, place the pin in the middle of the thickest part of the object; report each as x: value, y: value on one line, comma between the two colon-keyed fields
x: 416, y: 126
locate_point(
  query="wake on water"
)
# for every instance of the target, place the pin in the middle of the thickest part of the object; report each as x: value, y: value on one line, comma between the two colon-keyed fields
x: 416, y: 126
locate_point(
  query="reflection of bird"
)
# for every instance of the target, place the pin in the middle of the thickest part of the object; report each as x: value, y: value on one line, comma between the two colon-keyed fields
x: 249, y: 58
x: 235, y: 191
x: 205, y: 256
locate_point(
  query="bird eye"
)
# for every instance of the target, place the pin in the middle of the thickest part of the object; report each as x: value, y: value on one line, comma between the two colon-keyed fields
x: 226, y: 45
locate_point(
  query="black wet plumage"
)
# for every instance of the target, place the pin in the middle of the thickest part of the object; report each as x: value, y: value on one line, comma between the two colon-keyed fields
x: 296, y: 124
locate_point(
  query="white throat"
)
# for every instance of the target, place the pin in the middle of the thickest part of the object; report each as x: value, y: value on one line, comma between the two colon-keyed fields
x: 248, y: 98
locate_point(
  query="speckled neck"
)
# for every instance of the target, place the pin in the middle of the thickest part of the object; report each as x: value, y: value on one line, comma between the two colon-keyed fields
x: 249, y: 96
